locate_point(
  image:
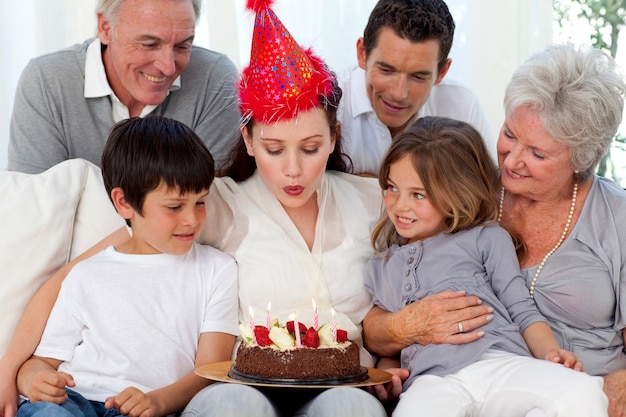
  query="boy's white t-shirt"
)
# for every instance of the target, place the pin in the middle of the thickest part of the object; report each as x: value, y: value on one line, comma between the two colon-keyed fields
x: 135, y: 320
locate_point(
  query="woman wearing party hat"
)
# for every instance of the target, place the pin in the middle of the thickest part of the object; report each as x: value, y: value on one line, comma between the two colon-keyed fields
x: 295, y: 221
x: 297, y: 226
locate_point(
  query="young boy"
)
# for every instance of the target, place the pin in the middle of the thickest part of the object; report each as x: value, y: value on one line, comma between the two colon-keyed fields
x: 131, y: 323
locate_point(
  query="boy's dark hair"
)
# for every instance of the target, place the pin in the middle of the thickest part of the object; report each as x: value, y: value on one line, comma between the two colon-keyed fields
x: 140, y: 153
x: 414, y: 20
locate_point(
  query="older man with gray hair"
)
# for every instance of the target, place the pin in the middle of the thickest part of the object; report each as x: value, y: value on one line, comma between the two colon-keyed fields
x: 142, y: 62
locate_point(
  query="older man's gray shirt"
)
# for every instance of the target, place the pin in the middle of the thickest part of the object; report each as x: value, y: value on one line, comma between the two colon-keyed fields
x: 53, y: 121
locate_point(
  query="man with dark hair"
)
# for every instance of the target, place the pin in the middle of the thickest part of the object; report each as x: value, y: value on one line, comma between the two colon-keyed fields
x: 403, y: 59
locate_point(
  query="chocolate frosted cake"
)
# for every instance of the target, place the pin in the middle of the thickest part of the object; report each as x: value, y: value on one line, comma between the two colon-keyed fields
x: 300, y: 363
x: 274, y: 353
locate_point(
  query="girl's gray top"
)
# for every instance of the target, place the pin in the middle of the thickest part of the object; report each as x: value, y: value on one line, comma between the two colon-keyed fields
x: 480, y: 261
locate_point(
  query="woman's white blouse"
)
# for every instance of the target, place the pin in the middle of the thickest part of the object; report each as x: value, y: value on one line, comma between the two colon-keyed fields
x: 275, y: 264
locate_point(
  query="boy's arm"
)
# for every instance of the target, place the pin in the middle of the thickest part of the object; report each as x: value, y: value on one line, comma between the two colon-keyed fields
x: 33, y: 321
x: 543, y: 345
x: 39, y: 380
x: 212, y: 347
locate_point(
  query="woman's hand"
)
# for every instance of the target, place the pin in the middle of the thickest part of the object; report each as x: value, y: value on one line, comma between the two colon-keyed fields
x: 447, y: 317
x: 615, y: 389
x: 8, y: 395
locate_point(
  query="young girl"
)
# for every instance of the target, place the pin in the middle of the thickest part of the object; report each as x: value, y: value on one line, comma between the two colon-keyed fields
x: 440, y: 233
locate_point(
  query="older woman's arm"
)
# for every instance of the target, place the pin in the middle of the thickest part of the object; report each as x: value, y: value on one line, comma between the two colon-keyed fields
x: 433, y: 319
x: 33, y: 321
x: 615, y: 389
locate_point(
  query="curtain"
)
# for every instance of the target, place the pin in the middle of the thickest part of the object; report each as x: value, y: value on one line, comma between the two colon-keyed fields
x: 492, y: 38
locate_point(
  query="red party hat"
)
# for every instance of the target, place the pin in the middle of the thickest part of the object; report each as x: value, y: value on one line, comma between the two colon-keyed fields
x: 282, y: 79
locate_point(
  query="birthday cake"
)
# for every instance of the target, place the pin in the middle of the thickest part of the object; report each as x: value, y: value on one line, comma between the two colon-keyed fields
x: 274, y: 353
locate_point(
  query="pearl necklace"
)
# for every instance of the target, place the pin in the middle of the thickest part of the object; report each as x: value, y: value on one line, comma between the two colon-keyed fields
x: 531, y: 289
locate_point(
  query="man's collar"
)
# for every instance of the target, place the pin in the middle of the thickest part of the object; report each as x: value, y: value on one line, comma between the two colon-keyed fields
x: 359, y: 101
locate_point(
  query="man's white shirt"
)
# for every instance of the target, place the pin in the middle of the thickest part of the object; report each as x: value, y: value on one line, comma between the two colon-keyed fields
x: 366, y: 138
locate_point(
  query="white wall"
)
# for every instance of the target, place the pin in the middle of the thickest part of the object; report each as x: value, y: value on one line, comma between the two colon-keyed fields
x: 493, y: 37
x: 30, y: 28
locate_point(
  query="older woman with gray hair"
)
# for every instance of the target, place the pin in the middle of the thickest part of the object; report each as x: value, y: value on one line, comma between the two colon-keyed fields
x: 563, y: 107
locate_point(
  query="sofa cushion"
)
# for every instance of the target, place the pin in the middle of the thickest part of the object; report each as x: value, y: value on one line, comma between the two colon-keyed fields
x: 46, y: 220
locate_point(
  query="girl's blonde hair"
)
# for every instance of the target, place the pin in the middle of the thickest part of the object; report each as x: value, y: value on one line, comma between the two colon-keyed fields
x: 456, y: 170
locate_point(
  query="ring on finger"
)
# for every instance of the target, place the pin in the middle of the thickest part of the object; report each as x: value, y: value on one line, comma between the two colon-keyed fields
x: 460, y: 327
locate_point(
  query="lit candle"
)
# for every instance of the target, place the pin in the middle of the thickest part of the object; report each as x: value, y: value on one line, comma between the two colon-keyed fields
x: 333, y: 329
x: 268, y: 321
x: 251, y: 314
x: 316, y: 322
x: 296, y: 329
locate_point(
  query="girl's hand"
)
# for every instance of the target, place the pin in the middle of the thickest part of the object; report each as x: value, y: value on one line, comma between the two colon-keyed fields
x: 565, y: 357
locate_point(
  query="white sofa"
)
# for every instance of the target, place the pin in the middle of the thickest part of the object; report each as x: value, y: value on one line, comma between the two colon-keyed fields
x: 47, y: 219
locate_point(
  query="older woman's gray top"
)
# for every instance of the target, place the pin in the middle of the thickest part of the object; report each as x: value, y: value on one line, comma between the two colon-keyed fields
x: 581, y: 290
x: 480, y: 261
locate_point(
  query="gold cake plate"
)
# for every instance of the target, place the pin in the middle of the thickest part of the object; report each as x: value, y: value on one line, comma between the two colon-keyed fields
x: 223, y: 372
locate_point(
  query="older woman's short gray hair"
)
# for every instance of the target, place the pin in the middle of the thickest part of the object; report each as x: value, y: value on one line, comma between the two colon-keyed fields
x: 578, y: 95
x: 111, y: 8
